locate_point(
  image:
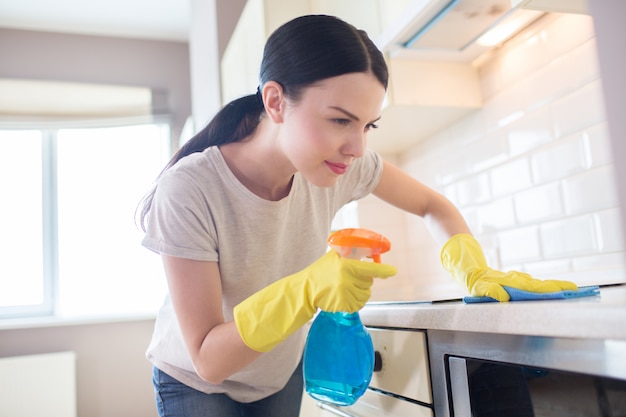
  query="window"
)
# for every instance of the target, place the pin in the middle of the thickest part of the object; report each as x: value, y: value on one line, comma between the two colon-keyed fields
x: 69, y: 244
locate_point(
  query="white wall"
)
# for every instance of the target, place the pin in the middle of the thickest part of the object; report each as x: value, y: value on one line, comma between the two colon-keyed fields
x: 531, y: 171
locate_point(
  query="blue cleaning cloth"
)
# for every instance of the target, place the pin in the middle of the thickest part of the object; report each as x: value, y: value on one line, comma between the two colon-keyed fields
x: 521, y: 295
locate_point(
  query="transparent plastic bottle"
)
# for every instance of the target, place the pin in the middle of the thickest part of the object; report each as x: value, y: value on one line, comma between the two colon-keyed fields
x: 338, y: 358
x: 338, y: 354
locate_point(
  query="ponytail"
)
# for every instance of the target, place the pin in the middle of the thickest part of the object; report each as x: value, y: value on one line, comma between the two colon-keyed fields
x: 232, y: 123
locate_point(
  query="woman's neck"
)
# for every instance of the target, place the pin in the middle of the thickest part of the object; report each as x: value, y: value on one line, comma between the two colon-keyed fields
x: 259, y: 165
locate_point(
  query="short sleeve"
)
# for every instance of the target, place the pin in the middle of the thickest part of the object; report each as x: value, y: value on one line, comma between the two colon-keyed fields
x: 179, y: 222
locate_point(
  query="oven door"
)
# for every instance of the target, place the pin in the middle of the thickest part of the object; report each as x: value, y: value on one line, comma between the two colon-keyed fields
x: 476, y: 375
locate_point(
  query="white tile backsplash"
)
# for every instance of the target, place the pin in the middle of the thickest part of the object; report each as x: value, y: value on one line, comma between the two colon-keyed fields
x: 510, y: 177
x: 585, y: 60
x: 590, y: 190
x: 581, y: 109
x: 492, y: 150
x: 611, y: 261
x: 610, y: 238
x: 531, y: 171
x: 597, y: 140
x: 519, y: 245
x: 548, y: 268
x: 530, y: 132
x: 540, y: 203
x: 548, y: 83
x: 473, y: 190
x: 495, y: 215
x: 566, y: 157
x: 571, y: 236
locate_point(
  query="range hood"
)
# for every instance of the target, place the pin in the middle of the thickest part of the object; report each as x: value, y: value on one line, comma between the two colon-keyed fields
x: 451, y: 30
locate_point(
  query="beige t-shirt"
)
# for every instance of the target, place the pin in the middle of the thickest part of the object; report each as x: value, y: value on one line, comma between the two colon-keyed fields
x: 201, y: 211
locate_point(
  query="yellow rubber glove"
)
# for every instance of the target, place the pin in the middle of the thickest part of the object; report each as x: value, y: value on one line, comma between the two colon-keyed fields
x: 331, y: 283
x: 463, y: 257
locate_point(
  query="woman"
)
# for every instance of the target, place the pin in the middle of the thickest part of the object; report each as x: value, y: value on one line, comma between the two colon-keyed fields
x: 241, y: 214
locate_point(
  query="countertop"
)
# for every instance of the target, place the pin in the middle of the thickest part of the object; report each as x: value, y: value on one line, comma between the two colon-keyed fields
x: 601, y: 317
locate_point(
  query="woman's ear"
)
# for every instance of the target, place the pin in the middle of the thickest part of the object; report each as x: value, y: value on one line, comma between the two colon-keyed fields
x: 274, y: 100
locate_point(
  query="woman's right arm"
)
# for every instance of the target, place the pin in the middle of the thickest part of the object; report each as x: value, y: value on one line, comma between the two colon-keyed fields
x: 216, y: 348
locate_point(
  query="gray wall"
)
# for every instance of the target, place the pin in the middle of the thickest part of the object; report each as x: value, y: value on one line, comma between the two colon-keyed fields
x: 113, y: 377
x: 159, y: 65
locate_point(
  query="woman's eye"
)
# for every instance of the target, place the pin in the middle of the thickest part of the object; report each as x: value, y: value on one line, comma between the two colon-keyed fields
x: 371, y: 126
x: 343, y: 122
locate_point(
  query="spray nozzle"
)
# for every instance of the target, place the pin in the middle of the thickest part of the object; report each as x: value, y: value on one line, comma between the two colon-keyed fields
x: 359, y: 243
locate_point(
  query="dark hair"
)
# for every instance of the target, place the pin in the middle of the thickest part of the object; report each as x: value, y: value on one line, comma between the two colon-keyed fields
x: 299, y: 53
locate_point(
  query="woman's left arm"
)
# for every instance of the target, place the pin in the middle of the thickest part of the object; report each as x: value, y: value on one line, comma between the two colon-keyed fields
x: 403, y: 191
x: 461, y: 254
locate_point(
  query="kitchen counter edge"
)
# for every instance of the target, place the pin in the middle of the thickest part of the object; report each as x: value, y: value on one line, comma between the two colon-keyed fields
x: 597, y: 317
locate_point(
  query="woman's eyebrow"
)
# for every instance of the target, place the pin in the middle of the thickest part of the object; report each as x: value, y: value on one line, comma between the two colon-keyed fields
x: 350, y: 115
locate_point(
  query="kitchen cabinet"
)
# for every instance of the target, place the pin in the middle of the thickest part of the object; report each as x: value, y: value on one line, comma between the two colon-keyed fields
x: 259, y: 18
x: 400, y: 388
x: 556, y: 6
x: 423, y: 97
x: 403, y: 356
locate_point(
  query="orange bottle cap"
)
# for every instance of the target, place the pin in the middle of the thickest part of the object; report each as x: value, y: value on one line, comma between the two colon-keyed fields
x: 370, y: 243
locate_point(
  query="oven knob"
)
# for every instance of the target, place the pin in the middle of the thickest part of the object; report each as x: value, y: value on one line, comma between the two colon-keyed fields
x: 378, y: 361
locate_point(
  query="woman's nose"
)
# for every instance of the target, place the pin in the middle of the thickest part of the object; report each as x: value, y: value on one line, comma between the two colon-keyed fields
x: 356, y: 144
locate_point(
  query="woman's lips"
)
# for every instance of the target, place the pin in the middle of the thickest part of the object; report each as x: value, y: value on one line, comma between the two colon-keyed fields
x: 337, y: 168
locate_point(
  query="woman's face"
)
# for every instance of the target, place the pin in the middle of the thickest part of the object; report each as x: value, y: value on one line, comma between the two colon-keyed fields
x: 326, y: 130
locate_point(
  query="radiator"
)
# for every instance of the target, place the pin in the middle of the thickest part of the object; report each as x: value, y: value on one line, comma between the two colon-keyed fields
x: 38, y: 385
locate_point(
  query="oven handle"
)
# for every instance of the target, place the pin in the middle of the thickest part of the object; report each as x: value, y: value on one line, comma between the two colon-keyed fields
x: 334, y: 410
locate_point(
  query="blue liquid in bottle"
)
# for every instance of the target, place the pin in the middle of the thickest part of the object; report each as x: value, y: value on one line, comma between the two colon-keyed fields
x: 338, y: 358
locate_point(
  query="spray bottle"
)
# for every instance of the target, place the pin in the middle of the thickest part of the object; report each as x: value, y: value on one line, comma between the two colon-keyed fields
x: 338, y: 354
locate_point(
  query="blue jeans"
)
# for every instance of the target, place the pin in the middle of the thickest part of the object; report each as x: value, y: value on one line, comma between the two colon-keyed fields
x: 175, y: 399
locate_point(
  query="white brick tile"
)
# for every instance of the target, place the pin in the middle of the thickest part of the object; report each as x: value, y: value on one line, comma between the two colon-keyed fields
x: 473, y: 190
x: 609, y: 224
x: 591, y: 190
x: 540, y: 203
x: 599, y: 262
x: 566, y: 33
x: 452, y: 167
x: 549, y: 83
x: 544, y: 269
x: 519, y: 245
x: 496, y: 215
x: 530, y: 132
x: 469, y: 128
x: 559, y: 160
x: 568, y: 237
x: 510, y: 177
x: 597, y: 141
x: 507, y: 67
x: 585, y: 60
x: 489, y: 151
x: 505, y: 107
x: 579, y: 110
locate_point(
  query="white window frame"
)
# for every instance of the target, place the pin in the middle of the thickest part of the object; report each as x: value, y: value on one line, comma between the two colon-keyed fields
x: 49, y: 305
